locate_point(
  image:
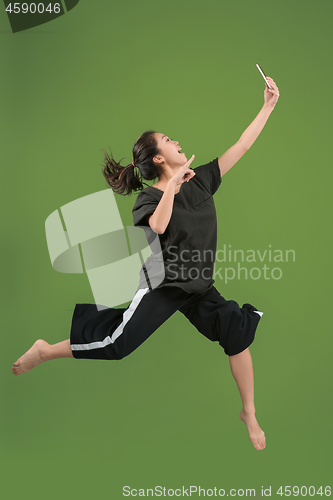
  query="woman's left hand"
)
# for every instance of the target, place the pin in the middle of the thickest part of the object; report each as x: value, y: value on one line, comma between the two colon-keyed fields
x: 271, y: 96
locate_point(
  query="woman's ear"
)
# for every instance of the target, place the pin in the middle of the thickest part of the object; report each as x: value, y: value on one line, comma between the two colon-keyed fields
x: 158, y: 159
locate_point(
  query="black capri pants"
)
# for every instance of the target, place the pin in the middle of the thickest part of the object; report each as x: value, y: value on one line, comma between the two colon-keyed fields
x: 115, y: 333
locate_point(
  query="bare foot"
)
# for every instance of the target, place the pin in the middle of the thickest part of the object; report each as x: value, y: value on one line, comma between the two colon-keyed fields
x: 31, y: 358
x: 257, y: 435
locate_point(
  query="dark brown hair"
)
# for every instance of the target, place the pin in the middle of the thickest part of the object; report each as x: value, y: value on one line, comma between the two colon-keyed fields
x: 124, y: 180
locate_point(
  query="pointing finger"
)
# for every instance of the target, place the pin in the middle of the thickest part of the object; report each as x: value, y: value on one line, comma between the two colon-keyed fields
x: 189, y: 161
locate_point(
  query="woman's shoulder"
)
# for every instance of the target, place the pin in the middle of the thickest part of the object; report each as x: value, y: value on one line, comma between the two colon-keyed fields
x: 211, y: 165
x: 145, y: 196
x: 209, y: 175
x: 147, y: 192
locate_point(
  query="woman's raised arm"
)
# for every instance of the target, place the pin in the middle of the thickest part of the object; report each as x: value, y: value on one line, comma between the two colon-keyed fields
x: 233, y: 154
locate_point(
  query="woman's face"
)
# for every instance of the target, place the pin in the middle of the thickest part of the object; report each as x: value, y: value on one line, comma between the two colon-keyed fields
x: 170, y: 151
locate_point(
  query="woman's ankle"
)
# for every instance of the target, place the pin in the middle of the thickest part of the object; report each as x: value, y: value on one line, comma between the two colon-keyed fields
x: 249, y: 409
x: 58, y: 350
x: 44, y: 350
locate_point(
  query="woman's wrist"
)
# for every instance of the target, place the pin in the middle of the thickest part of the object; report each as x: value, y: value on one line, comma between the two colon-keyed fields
x: 269, y: 107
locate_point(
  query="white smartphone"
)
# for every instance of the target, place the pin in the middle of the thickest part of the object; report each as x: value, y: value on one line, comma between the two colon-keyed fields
x: 264, y: 76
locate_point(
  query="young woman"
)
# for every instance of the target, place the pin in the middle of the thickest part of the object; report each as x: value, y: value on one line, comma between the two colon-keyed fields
x: 179, y: 211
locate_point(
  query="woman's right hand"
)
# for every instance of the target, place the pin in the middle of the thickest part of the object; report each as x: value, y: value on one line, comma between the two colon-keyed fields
x: 184, y: 173
x: 159, y: 220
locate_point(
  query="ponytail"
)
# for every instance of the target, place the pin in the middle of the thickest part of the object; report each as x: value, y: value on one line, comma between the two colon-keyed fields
x: 124, y: 180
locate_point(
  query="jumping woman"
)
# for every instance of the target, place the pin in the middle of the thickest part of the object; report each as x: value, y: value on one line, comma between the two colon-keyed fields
x: 179, y: 211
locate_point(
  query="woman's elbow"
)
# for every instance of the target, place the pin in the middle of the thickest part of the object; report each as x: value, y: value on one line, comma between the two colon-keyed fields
x: 157, y: 229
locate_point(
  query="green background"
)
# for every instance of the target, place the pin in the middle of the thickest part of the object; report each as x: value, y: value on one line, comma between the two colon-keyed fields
x: 167, y: 415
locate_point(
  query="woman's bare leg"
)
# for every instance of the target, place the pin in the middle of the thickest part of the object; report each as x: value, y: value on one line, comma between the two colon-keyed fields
x: 39, y: 352
x: 242, y: 370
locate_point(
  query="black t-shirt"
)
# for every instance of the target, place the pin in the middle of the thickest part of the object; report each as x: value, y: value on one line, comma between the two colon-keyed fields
x: 188, y: 245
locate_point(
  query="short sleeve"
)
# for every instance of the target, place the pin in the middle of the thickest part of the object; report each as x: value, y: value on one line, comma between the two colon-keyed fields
x: 144, y: 205
x: 209, y: 175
